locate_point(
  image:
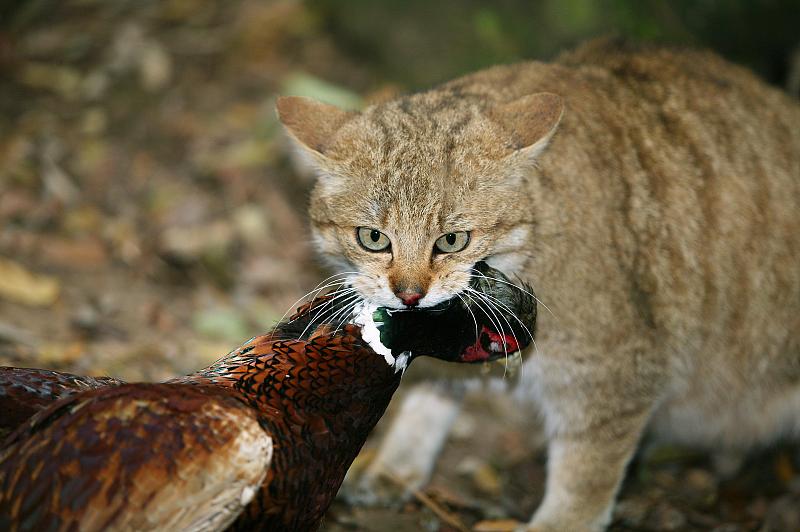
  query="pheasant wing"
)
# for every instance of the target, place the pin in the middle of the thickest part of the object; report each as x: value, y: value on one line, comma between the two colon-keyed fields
x: 134, y: 457
x: 25, y: 391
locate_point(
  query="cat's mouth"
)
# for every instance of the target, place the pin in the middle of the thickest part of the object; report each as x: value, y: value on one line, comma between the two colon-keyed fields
x: 490, y: 319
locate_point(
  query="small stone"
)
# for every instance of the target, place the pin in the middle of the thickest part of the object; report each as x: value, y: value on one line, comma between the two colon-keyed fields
x: 468, y: 465
x: 12, y: 334
x: 758, y: 507
x: 58, y: 182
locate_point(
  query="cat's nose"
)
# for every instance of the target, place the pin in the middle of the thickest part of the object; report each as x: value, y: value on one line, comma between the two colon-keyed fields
x: 409, y: 296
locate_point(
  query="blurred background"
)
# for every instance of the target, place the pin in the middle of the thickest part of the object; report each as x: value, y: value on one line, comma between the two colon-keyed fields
x: 150, y: 219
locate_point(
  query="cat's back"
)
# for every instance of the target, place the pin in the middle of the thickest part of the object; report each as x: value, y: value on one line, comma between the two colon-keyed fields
x: 669, y: 208
x: 603, y: 64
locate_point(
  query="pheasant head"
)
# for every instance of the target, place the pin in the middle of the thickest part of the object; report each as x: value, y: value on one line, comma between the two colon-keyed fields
x: 492, y: 318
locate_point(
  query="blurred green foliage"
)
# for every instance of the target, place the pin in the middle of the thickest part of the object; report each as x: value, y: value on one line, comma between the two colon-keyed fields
x: 421, y: 42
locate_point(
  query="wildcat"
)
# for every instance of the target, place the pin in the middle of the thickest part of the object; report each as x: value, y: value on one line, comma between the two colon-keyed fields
x: 652, y: 198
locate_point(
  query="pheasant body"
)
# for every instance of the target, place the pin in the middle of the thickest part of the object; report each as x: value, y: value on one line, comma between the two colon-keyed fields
x: 313, y: 403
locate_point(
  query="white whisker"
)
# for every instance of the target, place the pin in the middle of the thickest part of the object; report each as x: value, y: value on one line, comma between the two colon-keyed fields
x: 534, y: 296
x: 508, y: 309
x: 491, y: 307
x: 524, y: 326
x: 345, y: 303
x: 318, y: 288
x: 497, y: 324
x: 348, y: 310
x: 474, y: 319
x: 488, y: 298
x: 337, y: 296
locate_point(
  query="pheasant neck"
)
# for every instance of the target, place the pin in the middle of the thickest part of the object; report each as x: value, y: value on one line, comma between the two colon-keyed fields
x: 318, y: 399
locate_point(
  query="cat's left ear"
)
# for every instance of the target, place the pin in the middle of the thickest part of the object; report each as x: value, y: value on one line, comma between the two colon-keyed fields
x: 530, y: 121
x: 310, y: 123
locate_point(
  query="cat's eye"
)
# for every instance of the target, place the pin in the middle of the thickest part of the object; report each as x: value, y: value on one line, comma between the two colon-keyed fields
x: 372, y: 239
x: 451, y: 242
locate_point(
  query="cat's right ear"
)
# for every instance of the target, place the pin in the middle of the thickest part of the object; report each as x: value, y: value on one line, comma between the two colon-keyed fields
x: 530, y: 121
x: 311, y: 124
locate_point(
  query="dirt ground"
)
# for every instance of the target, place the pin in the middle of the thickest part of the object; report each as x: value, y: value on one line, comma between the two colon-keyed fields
x: 150, y: 221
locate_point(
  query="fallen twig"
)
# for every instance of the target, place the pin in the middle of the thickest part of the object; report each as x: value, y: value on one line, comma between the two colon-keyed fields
x: 432, y: 505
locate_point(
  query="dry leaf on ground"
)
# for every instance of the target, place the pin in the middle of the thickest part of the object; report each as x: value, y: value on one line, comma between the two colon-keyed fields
x: 20, y: 285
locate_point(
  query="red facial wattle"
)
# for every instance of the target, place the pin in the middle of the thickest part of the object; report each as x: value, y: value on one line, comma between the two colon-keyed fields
x: 490, y: 345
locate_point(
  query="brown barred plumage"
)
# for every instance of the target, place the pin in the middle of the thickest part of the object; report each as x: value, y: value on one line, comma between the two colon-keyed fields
x: 25, y: 391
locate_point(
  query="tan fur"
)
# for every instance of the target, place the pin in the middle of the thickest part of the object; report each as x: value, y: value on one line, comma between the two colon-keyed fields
x: 661, y: 226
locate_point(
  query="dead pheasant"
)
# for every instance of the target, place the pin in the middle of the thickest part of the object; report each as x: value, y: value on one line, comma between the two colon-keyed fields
x: 259, y: 440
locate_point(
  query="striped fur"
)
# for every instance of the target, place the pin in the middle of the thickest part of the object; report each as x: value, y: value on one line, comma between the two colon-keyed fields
x: 661, y: 227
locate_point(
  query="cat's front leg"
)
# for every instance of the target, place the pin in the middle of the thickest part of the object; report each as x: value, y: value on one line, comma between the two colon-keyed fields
x: 593, y: 433
x: 583, y: 478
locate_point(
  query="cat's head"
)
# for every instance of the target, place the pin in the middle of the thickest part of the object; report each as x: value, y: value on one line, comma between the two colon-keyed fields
x: 412, y: 193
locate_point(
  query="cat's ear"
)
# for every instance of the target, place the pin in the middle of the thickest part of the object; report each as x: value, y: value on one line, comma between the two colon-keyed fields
x: 530, y: 121
x: 310, y: 123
